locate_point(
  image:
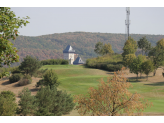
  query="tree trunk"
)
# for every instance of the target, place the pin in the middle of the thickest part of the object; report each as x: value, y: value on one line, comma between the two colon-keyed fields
x: 147, y: 77
x: 137, y: 77
x: 154, y: 72
x: 140, y: 75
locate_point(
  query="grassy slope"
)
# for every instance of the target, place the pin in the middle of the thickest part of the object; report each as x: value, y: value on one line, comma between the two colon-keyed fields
x: 77, y: 80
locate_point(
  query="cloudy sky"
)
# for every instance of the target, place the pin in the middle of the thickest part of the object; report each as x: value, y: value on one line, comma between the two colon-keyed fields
x: 49, y: 20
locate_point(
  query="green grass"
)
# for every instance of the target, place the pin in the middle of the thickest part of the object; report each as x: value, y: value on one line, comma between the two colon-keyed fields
x: 77, y: 79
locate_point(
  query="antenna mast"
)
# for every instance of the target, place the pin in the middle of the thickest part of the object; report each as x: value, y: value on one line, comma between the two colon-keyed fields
x: 127, y: 22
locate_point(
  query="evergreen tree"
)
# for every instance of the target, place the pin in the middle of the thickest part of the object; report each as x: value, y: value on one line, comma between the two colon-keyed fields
x: 27, y: 103
x: 49, y: 78
x: 52, y: 102
x: 8, y: 105
x: 30, y: 65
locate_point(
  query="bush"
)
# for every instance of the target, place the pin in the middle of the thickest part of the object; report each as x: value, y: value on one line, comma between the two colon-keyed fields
x: 49, y: 78
x: 15, y: 77
x: 25, y: 80
x: 39, y: 73
x: 15, y: 70
x: 55, y: 62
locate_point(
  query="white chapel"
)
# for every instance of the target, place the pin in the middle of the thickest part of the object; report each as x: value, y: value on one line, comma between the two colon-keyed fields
x: 69, y: 54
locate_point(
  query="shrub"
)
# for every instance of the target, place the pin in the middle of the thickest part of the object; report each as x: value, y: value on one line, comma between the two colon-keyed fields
x: 25, y: 80
x: 39, y: 73
x: 15, y: 70
x: 15, y: 77
x: 55, y: 62
x: 28, y: 77
x: 49, y: 78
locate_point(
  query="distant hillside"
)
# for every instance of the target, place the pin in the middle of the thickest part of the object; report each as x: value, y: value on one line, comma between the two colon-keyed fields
x: 51, y: 46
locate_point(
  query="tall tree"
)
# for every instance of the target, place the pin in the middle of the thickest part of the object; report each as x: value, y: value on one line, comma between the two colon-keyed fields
x: 128, y: 59
x: 156, y: 54
x: 9, y: 26
x: 135, y: 66
x: 147, y: 67
x: 107, y: 49
x: 130, y: 47
x: 111, y: 98
x: 141, y: 58
x: 98, y: 48
x: 30, y: 65
x: 144, y: 44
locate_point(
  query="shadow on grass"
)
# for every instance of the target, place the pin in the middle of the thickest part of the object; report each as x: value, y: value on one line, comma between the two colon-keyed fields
x: 156, y: 84
x: 134, y: 79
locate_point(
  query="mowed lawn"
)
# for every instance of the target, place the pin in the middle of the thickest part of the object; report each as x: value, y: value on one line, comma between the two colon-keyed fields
x: 76, y: 79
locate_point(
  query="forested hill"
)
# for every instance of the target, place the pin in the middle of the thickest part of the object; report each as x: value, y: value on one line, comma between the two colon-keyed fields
x: 51, y: 46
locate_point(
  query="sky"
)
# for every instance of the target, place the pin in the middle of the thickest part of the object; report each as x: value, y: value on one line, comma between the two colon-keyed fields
x: 50, y: 20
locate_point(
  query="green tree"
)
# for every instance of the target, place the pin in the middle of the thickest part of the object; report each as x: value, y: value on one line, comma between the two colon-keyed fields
x: 30, y: 65
x: 107, y: 49
x: 135, y: 66
x: 130, y: 47
x: 141, y: 58
x: 144, y: 44
x: 27, y: 102
x: 9, y: 25
x: 8, y: 94
x: 98, y: 48
x: 160, y: 44
x: 52, y: 102
x: 8, y: 105
x: 147, y: 67
x: 49, y: 78
x: 128, y: 59
x: 156, y: 54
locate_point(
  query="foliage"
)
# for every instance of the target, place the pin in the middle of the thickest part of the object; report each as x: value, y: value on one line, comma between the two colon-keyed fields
x: 30, y: 65
x: 25, y: 80
x: 8, y: 94
x: 128, y: 59
x: 49, y: 78
x: 99, y: 48
x: 112, y: 62
x: 40, y: 73
x: 107, y: 49
x: 9, y: 30
x: 156, y: 54
x: 8, y: 105
x: 111, y: 98
x: 135, y: 66
x: 130, y: 47
x: 15, y: 77
x: 52, y: 102
x: 144, y: 44
x: 54, y: 62
x: 82, y: 42
x: 141, y: 58
x: 103, y: 49
x: 147, y: 67
x: 27, y: 102
x: 160, y: 44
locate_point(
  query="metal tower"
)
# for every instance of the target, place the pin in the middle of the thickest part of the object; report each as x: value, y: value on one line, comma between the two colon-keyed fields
x: 127, y: 22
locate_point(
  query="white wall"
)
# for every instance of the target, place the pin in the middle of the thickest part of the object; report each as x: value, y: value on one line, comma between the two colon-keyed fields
x: 68, y: 56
